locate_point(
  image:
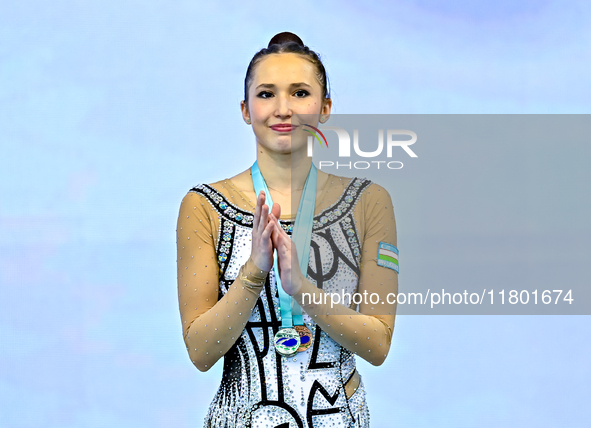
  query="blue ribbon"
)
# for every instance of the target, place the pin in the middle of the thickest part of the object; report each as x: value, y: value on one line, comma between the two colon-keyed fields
x: 291, y: 312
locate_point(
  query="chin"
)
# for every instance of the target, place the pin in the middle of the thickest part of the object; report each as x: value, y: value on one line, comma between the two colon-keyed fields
x: 283, y: 144
x: 281, y: 148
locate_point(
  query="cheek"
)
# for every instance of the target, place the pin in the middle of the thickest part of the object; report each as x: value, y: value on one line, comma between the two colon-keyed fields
x: 259, y: 110
x: 255, y: 111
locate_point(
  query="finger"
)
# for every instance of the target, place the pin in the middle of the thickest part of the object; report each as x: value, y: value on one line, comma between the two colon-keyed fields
x: 257, y: 212
x: 277, y: 226
x: 267, y: 232
x: 276, y: 210
x: 276, y: 235
x: 282, y: 242
x: 264, y: 217
x: 273, y: 219
x: 283, y: 249
x: 274, y: 231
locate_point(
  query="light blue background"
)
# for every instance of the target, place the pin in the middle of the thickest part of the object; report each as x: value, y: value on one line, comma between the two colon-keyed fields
x: 110, y: 111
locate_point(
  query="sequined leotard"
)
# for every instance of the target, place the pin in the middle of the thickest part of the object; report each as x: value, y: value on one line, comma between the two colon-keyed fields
x: 259, y: 388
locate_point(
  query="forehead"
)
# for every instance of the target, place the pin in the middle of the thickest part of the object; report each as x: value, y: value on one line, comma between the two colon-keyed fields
x: 284, y: 68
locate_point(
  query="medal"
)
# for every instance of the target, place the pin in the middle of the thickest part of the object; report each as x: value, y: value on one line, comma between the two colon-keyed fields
x: 305, y: 337
x: 291, y: 339
x: 287, y: 342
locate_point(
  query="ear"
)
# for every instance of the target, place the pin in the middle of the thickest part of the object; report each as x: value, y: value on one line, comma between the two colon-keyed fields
x: 245, y: 112
x: 325, y: 111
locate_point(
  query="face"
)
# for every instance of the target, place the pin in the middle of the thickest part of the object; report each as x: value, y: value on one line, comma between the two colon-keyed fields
x: 284, y: 86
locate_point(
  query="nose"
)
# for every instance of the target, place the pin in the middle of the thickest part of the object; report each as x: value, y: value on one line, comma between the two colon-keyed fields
x: 283, y: 107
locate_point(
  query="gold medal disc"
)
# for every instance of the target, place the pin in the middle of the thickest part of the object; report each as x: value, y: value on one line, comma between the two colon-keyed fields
x: 305, y: 337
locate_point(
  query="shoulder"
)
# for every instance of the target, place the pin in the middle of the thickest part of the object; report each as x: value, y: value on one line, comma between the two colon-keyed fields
x: 375, y: 193
x: 375, y: 190
x: 199, y: 187
x: 205, y: 190
x: 346, y: 182
x: 378, y: 207
x: 222, y: 186
x: 195, y: 202
x: 201, y: 196
x: 352, y: 191
x: 334, y: 177
x: 366, y: 185
x: 370, y: 193
x: 362, y: 186
x: 215, y: 200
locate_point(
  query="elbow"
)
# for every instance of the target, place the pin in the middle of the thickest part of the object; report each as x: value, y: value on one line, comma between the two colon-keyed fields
x: 374, y: 358
x: 379, y: 356
x: 377, y: 361
x: 202, y: 364
x: 198, y: 359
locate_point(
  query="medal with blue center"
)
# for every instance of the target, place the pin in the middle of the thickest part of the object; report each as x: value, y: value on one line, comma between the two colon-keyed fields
x: 287, y: 342
x: 291, y: 339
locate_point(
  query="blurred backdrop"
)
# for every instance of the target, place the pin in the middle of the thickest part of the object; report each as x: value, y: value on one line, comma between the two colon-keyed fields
x: 110, y: 111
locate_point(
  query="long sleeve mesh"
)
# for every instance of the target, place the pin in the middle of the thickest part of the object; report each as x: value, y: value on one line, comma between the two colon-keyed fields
x: 368, y: 332
x: 210, y: 327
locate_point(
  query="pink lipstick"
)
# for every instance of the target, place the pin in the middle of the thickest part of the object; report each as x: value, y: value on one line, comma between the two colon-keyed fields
x: 283, y: 127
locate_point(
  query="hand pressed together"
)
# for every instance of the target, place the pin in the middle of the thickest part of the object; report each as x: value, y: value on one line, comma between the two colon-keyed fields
x: 267, y: 236
x: 289, y: 266
x: 262, y: 245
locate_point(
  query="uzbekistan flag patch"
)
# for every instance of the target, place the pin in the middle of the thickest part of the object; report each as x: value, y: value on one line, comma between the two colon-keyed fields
x: 388, y: 256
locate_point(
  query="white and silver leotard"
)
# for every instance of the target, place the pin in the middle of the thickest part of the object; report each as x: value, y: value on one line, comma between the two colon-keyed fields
x: 259, y: 387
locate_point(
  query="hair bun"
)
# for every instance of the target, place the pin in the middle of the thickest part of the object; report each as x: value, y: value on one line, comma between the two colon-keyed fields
x: 285, y: 37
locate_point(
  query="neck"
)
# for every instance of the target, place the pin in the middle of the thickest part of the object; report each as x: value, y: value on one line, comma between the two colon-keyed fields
x: 284, y: 171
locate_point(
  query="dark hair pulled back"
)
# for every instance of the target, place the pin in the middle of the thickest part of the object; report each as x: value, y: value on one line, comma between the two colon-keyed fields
x: 287, y: 42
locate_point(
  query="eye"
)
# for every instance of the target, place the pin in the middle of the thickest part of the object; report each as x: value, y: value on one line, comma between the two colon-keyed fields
x: 264, y: 94
x: 301, y: 93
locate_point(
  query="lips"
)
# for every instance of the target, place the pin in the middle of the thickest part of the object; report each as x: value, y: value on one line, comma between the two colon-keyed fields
x: 283, y: 127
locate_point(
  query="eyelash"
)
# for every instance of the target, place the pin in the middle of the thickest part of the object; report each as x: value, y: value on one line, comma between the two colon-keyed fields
x: 260, y: 94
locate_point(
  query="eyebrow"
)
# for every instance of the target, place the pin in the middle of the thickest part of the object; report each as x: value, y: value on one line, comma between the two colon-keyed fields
x: 270, y: 85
